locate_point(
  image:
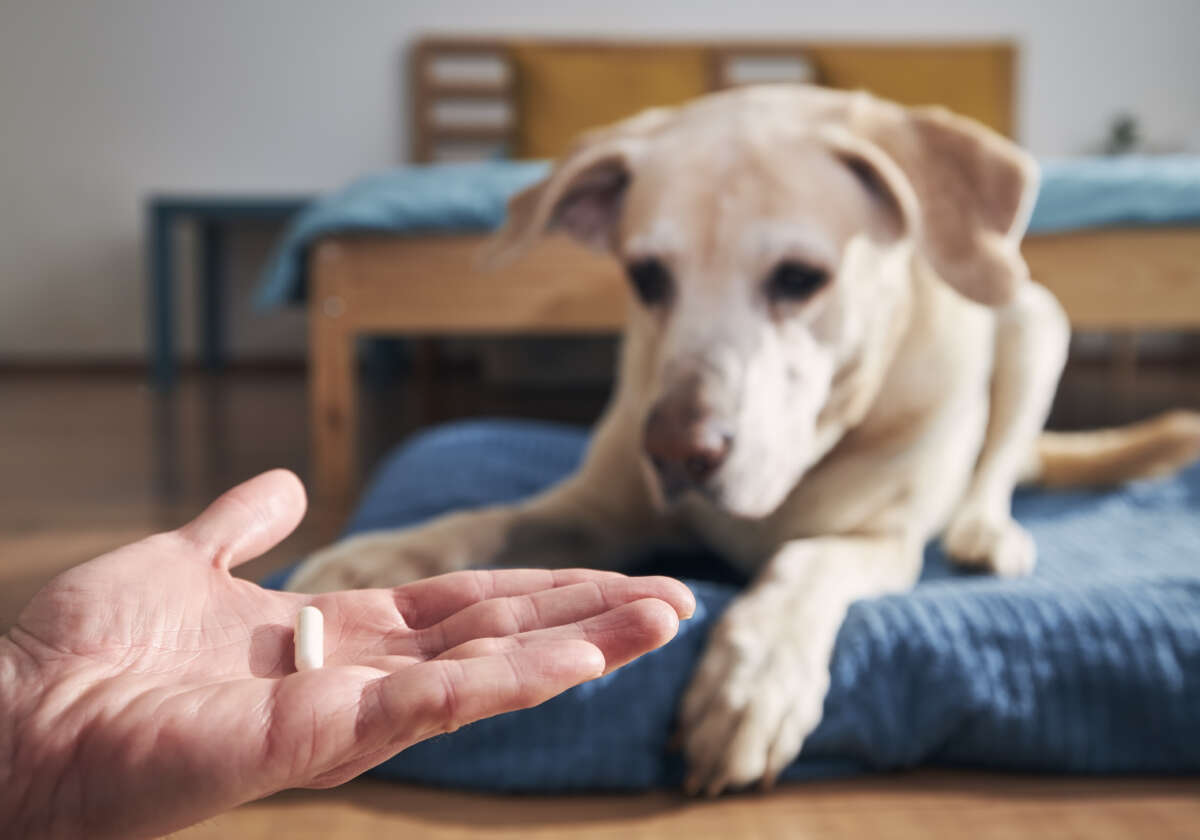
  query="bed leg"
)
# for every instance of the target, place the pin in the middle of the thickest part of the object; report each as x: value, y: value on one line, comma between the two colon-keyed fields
x: 333, y: 386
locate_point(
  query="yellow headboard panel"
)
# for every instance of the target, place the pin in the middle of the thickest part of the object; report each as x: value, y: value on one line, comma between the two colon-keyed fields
x: 972, y: 80
x: 474, y: 97
x: 561, y: 91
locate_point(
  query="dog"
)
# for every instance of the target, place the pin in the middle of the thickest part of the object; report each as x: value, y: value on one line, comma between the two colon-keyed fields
x: 835, y: 352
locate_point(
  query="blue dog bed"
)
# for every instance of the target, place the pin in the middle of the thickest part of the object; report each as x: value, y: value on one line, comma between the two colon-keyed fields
x: 1092, y: 665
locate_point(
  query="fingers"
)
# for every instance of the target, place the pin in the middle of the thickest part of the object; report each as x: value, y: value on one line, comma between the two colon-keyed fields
x: 562, y: 605
x: 621, y: 634
x: 441, y: 695
x: 427, y: 602
x: 248, y: 520
x: 481, y: 678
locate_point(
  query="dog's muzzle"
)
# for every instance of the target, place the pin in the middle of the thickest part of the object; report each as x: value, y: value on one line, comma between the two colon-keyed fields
x: 685, y: 440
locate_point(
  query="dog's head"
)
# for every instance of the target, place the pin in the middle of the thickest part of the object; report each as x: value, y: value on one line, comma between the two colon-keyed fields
x: 768, y: 235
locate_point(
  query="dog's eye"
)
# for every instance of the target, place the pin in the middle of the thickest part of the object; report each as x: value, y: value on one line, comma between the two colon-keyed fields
x: 650, y: 280
x: 795, y: 281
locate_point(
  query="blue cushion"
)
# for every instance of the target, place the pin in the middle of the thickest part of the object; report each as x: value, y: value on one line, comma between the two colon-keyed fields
x: 1092, y: 665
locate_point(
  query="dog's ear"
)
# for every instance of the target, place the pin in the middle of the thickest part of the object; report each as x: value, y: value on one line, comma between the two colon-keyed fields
x: 582, y: 195
x: 965, y: 191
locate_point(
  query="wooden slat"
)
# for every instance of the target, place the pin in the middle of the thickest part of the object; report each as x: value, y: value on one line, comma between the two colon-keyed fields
x: 1122, y: 279
x: 467, y: 90
x: 434, y: 284
x: 420, y: 142
x: 464, y: 45
x: 499, y: 131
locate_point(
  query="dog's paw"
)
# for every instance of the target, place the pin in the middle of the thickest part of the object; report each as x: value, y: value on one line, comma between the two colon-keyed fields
x: 368, y: 561
x: 993, y: 542
x: 758, y: 693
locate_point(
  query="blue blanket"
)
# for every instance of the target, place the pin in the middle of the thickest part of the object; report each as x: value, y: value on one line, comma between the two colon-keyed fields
x: 1092, y: 665
x: 1076, y: 193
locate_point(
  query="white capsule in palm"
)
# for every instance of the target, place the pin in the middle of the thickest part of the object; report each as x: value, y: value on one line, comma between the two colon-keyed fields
x: 309, y: 639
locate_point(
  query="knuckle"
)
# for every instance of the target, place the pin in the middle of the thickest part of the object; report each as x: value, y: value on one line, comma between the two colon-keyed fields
x: 498, y: 616
x: 446, y: 703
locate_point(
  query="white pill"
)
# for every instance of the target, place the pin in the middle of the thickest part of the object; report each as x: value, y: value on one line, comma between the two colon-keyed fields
x: 310, y: 639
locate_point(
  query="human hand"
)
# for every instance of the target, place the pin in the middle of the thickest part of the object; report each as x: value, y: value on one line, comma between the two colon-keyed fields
x: 149, y: 688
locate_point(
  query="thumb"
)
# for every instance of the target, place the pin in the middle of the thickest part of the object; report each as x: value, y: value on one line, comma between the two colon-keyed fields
x: 248, y: 520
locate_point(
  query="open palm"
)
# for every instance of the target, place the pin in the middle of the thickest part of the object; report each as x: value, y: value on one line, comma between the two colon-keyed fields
x: 167, y: 692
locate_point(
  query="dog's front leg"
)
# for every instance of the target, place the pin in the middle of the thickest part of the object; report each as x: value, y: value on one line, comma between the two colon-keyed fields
x: 760, y: 686
x: 583, y: 520
x: 569, y: 525
x: 1032, y: 334
x: 396, y: 557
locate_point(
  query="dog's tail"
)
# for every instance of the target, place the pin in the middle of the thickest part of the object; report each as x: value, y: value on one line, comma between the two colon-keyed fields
x: 1154, y: 447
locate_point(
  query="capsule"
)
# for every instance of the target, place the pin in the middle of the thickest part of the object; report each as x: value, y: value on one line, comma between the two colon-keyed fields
x: 309, y: 639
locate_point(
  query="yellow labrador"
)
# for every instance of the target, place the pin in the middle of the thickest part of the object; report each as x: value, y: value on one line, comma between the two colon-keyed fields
x: 836, y: 353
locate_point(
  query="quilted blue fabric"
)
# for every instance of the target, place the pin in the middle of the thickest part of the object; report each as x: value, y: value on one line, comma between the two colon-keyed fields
x: 1087, y: 192
x: 1075, y: 193
x: 1091, y: 665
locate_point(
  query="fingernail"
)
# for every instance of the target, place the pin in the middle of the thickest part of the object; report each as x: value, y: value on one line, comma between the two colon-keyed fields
x: 691, y: 608
x: 601, y: 664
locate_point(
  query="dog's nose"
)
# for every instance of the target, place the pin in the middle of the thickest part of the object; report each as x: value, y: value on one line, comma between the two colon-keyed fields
x: 684, y: 454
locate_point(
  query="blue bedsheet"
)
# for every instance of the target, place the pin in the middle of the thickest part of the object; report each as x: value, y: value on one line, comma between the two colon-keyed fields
x: 1092, y: 665
x: 1076, y: 193
x: 1090, y: 192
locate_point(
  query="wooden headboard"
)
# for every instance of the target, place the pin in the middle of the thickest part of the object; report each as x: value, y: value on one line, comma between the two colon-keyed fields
x: 464, y: 92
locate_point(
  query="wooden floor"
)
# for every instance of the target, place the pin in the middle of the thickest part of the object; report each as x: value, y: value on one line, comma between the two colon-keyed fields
x: 89, y: 462
x: 910, y: 806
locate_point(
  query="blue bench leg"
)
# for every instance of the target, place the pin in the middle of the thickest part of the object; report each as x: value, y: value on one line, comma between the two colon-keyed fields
x: 161, y: 286
x: 211, y: 275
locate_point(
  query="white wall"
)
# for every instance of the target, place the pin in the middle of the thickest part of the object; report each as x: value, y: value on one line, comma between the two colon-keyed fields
x: 102, y: 101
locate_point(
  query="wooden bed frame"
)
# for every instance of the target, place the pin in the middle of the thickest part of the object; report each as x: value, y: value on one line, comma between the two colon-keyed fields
x: 1119, y: 280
